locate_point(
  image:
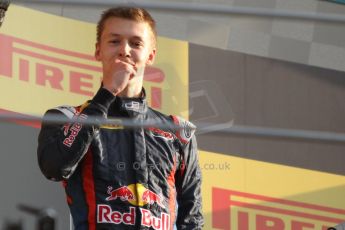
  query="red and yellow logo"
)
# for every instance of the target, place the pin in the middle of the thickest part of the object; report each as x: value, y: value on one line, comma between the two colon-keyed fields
x: 135, y: 194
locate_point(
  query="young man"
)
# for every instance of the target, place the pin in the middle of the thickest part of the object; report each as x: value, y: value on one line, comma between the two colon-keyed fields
x: 118, y: 178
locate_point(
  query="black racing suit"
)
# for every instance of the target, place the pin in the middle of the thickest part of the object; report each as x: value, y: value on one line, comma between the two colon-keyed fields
x: 117, y: 178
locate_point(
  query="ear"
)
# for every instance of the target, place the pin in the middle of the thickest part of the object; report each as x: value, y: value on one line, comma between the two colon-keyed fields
x: 97, y: 51
x: 151, y: 58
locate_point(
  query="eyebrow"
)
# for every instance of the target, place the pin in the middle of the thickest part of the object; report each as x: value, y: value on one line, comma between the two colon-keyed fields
x: 119, y: 35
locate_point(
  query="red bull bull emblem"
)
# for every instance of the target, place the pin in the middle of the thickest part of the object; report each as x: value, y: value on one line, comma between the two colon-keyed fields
x: 122, y: 193
x: 143, y: 196
x: 150, y: 197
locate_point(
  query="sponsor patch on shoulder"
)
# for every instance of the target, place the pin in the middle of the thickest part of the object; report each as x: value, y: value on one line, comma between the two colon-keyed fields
x: 161, y: 133
x: 187, y: 129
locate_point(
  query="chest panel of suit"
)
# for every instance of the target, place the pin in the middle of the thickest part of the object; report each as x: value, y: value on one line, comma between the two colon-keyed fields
x: 126, y: 156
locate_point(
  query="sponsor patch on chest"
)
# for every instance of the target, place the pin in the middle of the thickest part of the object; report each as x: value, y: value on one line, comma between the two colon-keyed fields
x: 106, y: 215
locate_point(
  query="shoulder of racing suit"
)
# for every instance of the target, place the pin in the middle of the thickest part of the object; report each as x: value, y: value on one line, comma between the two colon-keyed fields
x: 185, y: 134
x: 70, y: 111
x: 187, y: 130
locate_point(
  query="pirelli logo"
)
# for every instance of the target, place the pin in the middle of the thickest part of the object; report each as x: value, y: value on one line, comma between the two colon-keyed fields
x: 62, y: 70
x: 234, y: 210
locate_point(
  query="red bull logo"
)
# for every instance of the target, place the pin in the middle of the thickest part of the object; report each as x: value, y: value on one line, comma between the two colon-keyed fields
x: 74, y: 131
x: 148, y: 220
x: 245, y: 211
x: 123, y: 193
x: 127, y: 193
x: 62, y: 70
x: 150, y: 197
x: 105, y: 214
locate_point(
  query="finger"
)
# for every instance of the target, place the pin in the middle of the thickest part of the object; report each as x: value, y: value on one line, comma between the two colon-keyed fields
x: 128, y: 66
x: 127, y: 62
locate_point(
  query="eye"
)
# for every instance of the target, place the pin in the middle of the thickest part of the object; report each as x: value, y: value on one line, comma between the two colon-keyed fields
x: 137, y: 44
x: 115, y: 41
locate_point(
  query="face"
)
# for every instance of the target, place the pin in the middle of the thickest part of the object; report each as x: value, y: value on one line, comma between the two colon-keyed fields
x: 128, y: 41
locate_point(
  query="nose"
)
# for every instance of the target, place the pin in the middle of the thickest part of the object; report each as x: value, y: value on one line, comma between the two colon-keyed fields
x: 124, y: 49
